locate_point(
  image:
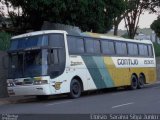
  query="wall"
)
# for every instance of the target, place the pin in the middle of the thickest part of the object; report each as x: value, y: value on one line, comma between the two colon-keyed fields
x: 3, y: 74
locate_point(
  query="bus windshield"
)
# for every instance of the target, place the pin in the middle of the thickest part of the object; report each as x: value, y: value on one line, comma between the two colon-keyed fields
x: 29, y: 42
x: 28, y: 64
x: 29, y: 56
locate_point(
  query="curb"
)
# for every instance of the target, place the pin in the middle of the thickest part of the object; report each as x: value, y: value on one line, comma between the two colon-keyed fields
x: 4, y: 101
x: 16, y: 99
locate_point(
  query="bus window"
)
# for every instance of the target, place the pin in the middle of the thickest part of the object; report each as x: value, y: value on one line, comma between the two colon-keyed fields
x: 132, y: 49
x: 54, y: 56
x: 56, y: 40
x: 107, y: 47
x: 89, y: 45
x: 150, y: 51
x: 92, y: 46
x: 121, y: 48
x: 143, y: 51
x: 75, y: 45
x: 57, y: 56
x: 29, y: 42
x: 97, y: 48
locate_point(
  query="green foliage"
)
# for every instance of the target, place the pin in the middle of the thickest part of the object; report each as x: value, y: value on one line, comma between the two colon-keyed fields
x: 4, y: 40
x: 117, y: 11
x: 116, y: 8
x: 157, y: 49
x: 156, y: 26
x: 89, y: 15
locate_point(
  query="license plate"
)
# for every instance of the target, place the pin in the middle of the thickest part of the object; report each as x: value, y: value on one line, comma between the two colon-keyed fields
x: 11, y: 92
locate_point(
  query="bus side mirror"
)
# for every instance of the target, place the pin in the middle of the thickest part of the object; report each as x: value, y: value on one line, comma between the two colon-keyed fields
x: 5, y: 61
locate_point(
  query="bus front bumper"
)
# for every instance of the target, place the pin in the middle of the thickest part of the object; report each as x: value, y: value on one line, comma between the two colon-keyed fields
x: 29, y: 90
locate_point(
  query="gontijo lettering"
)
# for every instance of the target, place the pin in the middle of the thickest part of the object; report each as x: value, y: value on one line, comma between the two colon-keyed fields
x: 127, y: 62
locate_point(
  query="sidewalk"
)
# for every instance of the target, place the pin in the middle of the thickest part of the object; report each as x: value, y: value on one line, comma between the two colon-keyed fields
x: 16, y: 99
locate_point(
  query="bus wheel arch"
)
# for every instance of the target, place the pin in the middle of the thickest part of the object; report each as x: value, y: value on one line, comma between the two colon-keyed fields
x: 76, y: 87
x: 141, y: 80
x: 134, y: 81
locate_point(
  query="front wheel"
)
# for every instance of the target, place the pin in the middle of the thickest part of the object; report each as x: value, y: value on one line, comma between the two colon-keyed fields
x: 75, y: 89
x: 134, y: 82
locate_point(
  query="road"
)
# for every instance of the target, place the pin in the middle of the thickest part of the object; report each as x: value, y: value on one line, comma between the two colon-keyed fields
x: 146, y: 100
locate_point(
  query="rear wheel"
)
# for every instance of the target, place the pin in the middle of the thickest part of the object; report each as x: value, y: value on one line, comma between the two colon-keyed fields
x: 141, y: 82
x: 134, y: 82
x: 75, y: 89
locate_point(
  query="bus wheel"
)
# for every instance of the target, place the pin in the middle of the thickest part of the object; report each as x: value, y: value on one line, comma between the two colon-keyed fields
x: 141, y: 82
x: 42, y: 97
x: 134, y: 82
x: 75, y: 89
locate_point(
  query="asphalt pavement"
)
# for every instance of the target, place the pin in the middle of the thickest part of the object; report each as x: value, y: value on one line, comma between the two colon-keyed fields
x: 140, y: 101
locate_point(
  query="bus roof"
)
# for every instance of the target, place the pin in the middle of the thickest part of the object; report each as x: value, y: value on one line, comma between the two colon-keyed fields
x: 104, y: 36
x: 39, y: 33
x: 86, y: 34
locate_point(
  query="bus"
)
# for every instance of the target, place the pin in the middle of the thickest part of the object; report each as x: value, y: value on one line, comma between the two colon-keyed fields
x: 52, y: 62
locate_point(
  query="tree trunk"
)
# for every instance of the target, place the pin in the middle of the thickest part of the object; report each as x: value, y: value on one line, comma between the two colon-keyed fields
x: 116, y: 30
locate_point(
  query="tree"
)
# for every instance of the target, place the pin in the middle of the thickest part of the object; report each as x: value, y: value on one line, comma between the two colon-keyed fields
x: 156, y: 23
x: 4, y: 40
x: 117, y: 11
x: 1, y: 10
x: 156, y: 26
x: 1, y: 13
x: 89, y: 15
x: 135, y: 9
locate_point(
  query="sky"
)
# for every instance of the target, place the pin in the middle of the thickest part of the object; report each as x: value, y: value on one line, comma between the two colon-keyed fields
x: 146, y: 20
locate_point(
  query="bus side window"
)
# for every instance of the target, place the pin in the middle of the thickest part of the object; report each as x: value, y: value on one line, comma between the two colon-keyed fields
x: 143, y: 51
x: 132, y: 49
x: 54, y: 56
x: 121, y: 48
x: 150, y: 50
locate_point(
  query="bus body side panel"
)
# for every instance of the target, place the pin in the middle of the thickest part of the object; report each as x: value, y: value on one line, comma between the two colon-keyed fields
x: 106, y: 72
x: 100, y: 75
x: 121, y: 72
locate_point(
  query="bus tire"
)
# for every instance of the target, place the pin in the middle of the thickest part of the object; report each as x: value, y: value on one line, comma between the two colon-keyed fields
x: 134, y: 82
x: 141, y: 80
x: 75, y: 89
x: 42, y: 97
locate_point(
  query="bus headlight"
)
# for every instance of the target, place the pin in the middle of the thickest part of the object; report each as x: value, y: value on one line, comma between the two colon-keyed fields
x: 10, y: 84
x: 40, y: 82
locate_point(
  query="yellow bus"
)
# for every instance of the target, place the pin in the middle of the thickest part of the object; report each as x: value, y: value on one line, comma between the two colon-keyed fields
x: 54, y: 62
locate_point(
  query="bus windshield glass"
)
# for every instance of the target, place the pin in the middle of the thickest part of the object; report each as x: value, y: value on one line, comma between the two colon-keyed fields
x: 33, y: 63
x: 29, y: 55
x: 28, y: 64
x: 29, y: 42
